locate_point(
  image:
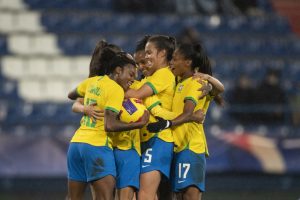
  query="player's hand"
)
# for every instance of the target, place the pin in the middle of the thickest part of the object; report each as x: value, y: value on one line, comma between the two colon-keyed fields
x: 158, y: 126
x: 144, y: 119
x: 201, y: 76
x: 205, y: 89
x: 93, y: 112
x: 203, y: 80
x: 198, y: 116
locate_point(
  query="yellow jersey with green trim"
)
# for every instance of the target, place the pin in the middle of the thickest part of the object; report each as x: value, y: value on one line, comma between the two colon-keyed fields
x: 132, y: 110
x: 189, y: 135
x: 162, y: 83
x: 126, y: 140
x: 108, y: 95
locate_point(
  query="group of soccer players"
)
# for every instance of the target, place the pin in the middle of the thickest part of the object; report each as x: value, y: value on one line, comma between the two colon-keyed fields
x: 167, y: 143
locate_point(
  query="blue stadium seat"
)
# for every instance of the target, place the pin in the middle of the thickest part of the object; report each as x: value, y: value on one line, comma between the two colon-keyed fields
x: 234, y: 24
x: 254, y: 45
x: 254, y: 68
x: 3, y: 45
x: 54, y: 21
x: 75, y: 4
x: 19, y: 112
x: 71, y: 44
x: 8, y: 89
x: 64, y: 114
x: 168, y: 24
x: 295, y: 44
x: 98, y: 24
x: 145, y: 24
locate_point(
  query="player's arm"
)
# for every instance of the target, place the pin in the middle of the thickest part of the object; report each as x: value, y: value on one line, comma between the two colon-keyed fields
x: 186, y: 116
x: 113, y: 124
x: 159, y: 111
x: 153, y: 105
x: 78, y: 106
x: 154, y: 85
x: 73, y: 95
x: 217, y: 86
x: 89, y: 110
x: 79, y: 91
x: 141, y: 93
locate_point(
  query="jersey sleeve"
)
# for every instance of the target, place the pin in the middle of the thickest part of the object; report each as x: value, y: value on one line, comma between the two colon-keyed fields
x: 193, y: 92
x: 153, y: 104
x: 159, y: 111
x: 158, y: 81
x: 81, y: 88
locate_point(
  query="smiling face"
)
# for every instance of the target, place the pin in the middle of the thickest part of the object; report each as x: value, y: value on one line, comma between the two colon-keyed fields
x: 125, y: 76
x: 153, y: 57
x: 179, y: 65
x: 140, y: 60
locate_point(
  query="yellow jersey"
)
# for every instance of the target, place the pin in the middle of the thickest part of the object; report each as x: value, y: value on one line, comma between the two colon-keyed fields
x: 131, y: 111
x: 162, y: 83
x: 109, y: 96
x: 126, y: 140
x: 189, y: 135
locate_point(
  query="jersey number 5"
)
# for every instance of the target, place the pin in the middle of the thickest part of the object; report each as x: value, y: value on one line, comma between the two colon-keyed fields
x: 148, y: 156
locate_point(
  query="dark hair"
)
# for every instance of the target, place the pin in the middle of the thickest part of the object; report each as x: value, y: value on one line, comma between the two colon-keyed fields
x: 115, y: 59
x: 96, y: 66
x: 197, y: 54
x: 142, y: 43
x: 163, y: 42
x: 200, y: 62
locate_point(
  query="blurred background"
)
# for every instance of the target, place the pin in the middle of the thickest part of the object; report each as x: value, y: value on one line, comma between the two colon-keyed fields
x: 254, y: 45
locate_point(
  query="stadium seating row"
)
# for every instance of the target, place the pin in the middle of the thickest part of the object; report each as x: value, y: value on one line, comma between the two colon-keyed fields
x: 20, y: 21
x: 66, y: 4
x: 37, y: 114
x: 50, y: 78
x: 14, y: 5
x: 83, y: 44
x: 216, y: 44
x: 81, y: 21
x: 15, y: 67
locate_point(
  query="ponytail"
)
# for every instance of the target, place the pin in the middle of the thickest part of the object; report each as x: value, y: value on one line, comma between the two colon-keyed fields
x: 97, y: 64
x: 163, y: 42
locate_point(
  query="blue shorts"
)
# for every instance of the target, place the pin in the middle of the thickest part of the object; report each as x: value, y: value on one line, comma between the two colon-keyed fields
x: 88, y: 163
x: 128, y: 168
x: 157, y: 155
x: 188, y: 169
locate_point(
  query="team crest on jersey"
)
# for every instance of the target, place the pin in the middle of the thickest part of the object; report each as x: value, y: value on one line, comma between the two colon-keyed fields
x: 180, y: 88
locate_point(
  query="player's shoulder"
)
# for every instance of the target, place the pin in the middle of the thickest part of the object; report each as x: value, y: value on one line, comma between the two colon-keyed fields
x: 195, y: 82
x: 165, y: 72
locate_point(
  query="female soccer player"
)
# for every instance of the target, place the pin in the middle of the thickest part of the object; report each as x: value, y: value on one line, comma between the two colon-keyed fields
x: 157, y: 148
x: 126, y: 144
x: 189, y: 138
x: 90, y: 155
x: 96, y: 68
